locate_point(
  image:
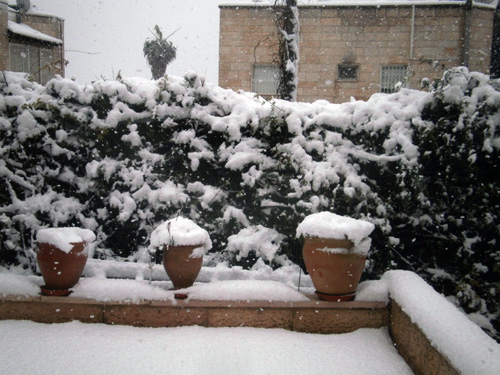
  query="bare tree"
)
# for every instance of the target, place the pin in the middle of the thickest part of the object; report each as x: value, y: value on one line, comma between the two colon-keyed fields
x: 159, y: 52
x: 287, y: 21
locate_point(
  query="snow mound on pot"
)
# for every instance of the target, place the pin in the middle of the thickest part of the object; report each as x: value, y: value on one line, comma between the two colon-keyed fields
x: 329, y: 225
x: 181, y: 232
x: 63, y: 238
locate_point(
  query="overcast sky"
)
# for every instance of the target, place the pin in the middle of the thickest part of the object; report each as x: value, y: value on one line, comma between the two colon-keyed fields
x: 110, y: 35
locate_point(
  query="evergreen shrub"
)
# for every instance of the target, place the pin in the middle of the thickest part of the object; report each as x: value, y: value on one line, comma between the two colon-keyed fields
x: 120, y: 157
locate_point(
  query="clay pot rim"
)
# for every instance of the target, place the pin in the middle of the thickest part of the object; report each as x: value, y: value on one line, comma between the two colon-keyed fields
x: 178, y: 247
x: 328, y: 238
x: 352, y: 250
x: 168, y: 246
x: 84, y: 244
x: 192, y: 248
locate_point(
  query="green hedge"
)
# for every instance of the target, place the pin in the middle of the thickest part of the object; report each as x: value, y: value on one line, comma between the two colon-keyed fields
x: 119, y: 157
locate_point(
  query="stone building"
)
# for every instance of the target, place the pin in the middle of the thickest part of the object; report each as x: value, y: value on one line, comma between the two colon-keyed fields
x: 31, y: 42
x: 355, y: 48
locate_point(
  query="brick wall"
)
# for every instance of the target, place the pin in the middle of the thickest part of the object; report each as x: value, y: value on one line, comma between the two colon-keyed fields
x: 481, y: 31
x: 369, y: 37
x: 247, y: 36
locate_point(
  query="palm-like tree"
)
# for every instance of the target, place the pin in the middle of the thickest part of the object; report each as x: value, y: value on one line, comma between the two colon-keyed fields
x: 159, y: 52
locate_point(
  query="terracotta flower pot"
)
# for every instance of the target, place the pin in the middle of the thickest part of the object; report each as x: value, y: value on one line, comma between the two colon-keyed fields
x: 334, y: 275
x: 182, y: 269
x: 60, y: 270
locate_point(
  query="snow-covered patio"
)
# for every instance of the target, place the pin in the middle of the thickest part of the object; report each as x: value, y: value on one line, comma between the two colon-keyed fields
x: 417, y: 315
x: 77, y: 348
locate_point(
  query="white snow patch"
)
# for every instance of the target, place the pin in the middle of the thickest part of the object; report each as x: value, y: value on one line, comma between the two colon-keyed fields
x: 244, y: 290
x: 329, y: 225
x: 180, y: 232
x: 63, y: 238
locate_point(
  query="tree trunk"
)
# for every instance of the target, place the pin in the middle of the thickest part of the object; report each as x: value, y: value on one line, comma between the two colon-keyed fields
x: 289, y: 50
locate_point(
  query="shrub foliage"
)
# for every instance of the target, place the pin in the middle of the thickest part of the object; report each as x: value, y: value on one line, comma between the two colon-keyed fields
x: 119, y: 157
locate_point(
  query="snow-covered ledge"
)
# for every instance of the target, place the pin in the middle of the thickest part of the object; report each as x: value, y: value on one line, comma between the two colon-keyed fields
x: 423, y: 321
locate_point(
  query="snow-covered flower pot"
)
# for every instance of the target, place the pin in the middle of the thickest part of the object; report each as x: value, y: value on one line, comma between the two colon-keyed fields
x: 184, y: 243
x: 62, y: 257
x: 334, y: 251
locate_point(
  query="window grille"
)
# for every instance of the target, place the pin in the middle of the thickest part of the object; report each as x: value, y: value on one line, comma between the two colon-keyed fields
x: 32, y: 60
x: 391, y: 75
x: 265, y: 79
x: 348, y: 72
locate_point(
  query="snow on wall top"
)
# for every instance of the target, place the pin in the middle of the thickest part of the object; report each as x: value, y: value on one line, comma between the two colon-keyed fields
x: 25, y: 30
x: 467, y: 347
x: 481, y: 3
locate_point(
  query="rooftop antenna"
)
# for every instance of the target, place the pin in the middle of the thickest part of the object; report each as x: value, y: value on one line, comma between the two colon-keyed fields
x: 23, y: 5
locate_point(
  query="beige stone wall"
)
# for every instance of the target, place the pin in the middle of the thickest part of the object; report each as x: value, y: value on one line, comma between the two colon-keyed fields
x: 369, y: 37
x: 4, y: 39
x: 415, y: 347
x: 312, y: 316
x: 481, y: 32
x: 247, y: 36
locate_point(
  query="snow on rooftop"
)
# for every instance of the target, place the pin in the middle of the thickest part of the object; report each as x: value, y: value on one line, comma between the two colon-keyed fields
x: 483, y: 3
x: 27, y: 31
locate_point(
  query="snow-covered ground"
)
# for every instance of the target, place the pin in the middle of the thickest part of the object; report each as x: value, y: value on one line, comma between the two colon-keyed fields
x: 24, y: 349
x: 77, y: 348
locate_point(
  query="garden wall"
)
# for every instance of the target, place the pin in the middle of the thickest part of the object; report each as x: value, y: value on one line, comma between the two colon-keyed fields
x: 312, y: 317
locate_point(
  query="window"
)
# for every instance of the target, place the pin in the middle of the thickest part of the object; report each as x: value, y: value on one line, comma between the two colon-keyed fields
x: 32, y: 60
x: 348, y: 72
x: 265, y: 79
x: 391, y: 75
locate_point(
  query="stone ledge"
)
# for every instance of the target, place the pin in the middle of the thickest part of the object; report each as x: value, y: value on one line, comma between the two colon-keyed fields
x: 306, y: 316
x: 415, y: 347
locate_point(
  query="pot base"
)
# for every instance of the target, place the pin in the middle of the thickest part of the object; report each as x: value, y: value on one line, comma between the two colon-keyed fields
x: 55, y: 292
x: 336, y: 297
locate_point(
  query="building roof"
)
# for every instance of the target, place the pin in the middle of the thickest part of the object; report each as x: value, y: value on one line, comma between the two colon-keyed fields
x: 26, y: 31
x: 481, y: 3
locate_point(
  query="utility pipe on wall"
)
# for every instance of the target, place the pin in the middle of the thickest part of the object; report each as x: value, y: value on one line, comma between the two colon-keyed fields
x: 467, y: 24
x: 412, y: 32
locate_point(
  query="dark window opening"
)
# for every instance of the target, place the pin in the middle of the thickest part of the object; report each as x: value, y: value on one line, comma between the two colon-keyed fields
x: 348, y: 72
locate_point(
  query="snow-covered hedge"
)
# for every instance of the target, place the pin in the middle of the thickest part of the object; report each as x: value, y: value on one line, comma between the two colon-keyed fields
x: 119, y: 157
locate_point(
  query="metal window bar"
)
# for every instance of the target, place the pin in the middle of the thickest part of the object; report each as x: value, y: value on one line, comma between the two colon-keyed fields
x: 265, y: 79
x: 390, y: 76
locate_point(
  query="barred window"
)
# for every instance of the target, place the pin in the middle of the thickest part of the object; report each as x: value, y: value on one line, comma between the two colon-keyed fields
x: 265, y: 79
x: 32, y: 60
x: 391, y: 75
